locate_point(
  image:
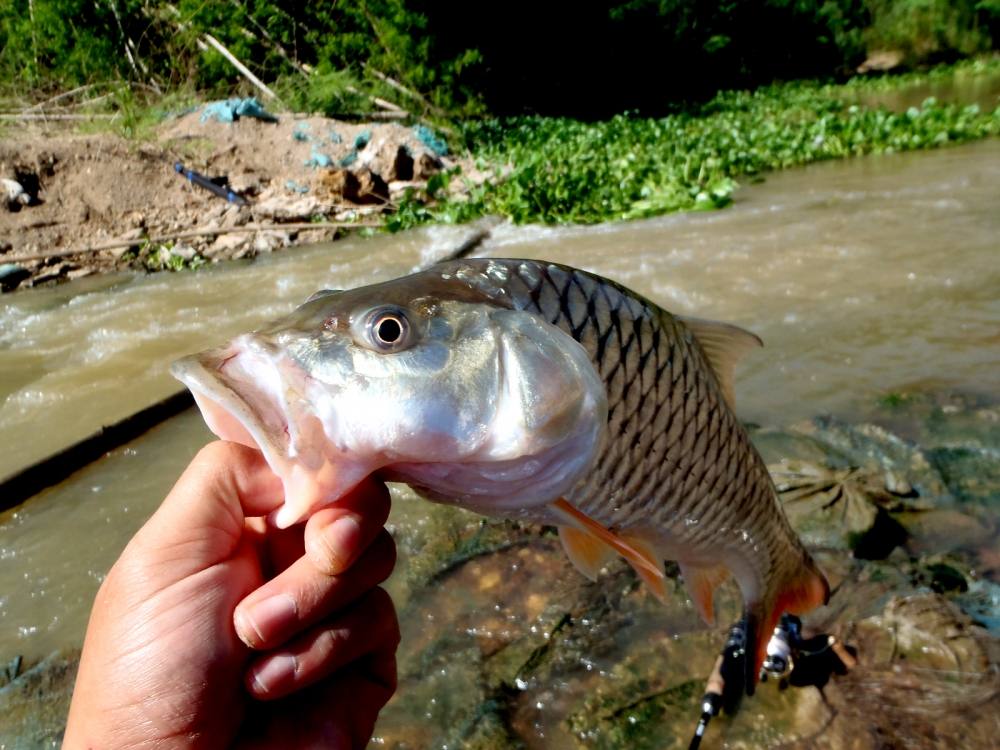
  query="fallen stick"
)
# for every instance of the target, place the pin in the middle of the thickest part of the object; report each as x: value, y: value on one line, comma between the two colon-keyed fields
x: 218, y: 47
x: 204, y: 232
x: 58, y: 97
x: 44, y: 116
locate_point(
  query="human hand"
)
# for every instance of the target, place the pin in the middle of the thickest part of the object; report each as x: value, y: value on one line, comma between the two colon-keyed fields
x: 213, y: 630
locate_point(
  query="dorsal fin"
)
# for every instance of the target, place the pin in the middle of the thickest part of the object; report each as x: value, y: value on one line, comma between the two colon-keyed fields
x: 724, y: 344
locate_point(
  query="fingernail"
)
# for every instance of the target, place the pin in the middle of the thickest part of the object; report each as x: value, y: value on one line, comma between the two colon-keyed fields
x: 270, y: 675
x: 259, y: 623
x: 342, y: 539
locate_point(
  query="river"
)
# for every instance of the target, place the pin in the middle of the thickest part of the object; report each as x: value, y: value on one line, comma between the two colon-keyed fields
x: 867, y: 279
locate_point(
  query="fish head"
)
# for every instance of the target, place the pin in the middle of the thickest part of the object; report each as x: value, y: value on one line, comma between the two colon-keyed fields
x: 467, y: 400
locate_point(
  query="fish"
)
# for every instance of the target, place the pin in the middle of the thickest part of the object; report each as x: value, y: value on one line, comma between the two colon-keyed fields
x: 529, y: 390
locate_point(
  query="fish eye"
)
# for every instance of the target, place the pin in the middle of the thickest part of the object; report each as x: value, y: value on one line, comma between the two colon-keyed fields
x: 388, y: 329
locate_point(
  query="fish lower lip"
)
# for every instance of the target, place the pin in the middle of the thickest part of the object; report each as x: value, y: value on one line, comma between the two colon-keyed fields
x: 231, y: 406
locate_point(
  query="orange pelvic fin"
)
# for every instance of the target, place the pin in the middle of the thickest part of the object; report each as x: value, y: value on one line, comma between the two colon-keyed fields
x: 587, y: 553
x: 701, y: 583
x: 640, y: 559
x: 806, y: 590
x: 657, y: 584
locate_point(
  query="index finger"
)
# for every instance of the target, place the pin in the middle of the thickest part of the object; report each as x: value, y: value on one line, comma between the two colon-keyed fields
x: 224, y: 483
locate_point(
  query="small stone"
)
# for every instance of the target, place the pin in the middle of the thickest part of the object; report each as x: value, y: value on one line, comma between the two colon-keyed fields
x: 225, y: 246
x: 235, y: 216
x: 79, y: 273
x: 280, y: 207
x: 265, y: 242
x: 184, y: 251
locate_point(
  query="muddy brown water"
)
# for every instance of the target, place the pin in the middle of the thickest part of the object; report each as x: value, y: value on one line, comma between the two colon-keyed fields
x: 864, y: 278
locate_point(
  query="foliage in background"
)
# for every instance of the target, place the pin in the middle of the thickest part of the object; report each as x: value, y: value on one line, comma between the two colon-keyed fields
x: 557, y: 170
x: 566, y: 57
x: 933, y: 30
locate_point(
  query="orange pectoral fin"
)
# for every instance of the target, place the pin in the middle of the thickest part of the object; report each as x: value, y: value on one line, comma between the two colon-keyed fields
x: 587, y: 553
x: 642, y: 560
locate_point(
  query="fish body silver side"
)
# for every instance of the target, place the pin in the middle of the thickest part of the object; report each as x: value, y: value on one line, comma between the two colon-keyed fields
x: 634, y: 431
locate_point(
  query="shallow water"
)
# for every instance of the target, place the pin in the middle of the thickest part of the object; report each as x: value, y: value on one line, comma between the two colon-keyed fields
x: 866, y: 279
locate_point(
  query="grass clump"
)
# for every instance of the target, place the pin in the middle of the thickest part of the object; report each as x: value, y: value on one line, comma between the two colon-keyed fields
x: 558, y: 170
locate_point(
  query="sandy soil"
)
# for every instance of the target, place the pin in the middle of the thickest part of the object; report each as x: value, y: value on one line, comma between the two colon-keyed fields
x: 99, y: 202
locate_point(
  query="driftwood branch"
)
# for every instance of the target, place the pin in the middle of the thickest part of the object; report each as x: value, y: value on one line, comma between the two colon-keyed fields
x: 203, y: 232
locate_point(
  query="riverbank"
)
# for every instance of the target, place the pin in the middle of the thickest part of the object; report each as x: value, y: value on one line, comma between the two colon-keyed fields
x: 98, y: 202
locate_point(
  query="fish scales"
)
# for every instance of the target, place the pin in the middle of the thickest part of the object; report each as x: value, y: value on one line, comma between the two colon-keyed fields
x: 637, y: 348
x: 473, y: 400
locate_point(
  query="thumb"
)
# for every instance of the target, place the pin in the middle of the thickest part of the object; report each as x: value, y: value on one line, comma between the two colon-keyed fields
x: 201, y: 521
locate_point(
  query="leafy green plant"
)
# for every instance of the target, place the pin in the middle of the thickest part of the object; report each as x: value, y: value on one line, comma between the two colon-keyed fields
x: 557, y: 170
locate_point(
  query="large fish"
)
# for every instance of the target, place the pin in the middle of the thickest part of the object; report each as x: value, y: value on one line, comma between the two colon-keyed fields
x: 523, y: 389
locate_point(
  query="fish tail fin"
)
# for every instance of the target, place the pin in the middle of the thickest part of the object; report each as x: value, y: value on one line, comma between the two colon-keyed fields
x: 802, y: 590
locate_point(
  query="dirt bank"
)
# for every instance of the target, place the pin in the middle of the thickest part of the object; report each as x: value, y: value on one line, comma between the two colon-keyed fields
x: 99, y: 202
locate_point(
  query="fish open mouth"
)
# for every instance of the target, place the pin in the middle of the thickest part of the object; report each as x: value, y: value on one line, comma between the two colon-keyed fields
x: 245, y: 397
x: 229, y: 404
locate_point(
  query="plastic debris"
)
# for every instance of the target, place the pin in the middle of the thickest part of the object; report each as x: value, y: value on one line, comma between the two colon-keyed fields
x: 362, y: 139
x: 14, y: 194
x: 318, y: 159
x: 349, y: 159
x: 11, y: 275
x: 229, y: 110
x: 431, y: 139
x: 296, y: 187
x: 210, y: 185
x: 301, y: 132
x: 335, y: 136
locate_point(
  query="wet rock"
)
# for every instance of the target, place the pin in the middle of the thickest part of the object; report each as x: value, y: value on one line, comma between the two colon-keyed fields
x: 971, y: 472
x: 942, y: 578
x: 943, y: 530
x: 844, y: 507
x: 33, y: 706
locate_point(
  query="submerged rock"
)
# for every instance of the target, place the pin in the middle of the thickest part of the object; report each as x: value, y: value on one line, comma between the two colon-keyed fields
x: 33, y: 706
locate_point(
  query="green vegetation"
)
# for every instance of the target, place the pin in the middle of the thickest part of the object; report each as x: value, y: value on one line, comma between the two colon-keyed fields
x: 449, y: 58
x: 561, y: 170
